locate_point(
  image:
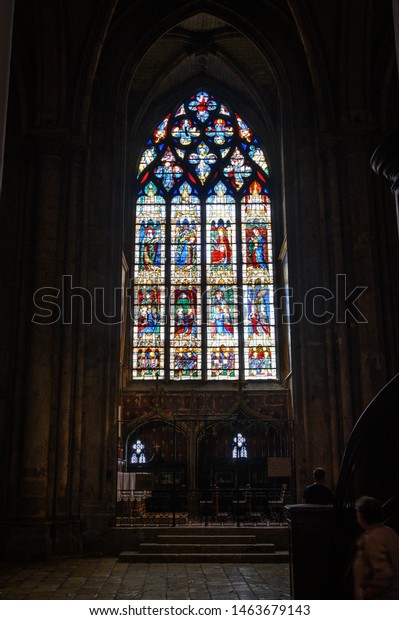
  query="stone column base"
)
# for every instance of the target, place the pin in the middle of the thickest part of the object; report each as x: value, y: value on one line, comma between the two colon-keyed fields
x: 38, y: 538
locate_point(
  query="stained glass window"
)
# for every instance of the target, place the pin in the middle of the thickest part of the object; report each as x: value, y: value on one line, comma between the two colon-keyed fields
x: 138, y: 452
x: 203, y: 289
x: 240, y: 450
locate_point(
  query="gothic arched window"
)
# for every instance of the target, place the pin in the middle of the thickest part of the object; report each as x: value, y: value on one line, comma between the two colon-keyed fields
x: 138, y: 452
x: 203, y: 264
x: 240, y: 450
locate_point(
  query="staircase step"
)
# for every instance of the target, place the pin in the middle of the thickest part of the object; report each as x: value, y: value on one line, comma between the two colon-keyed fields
x: 171, y: 539
x: 220, y: 558
x: 189, y: 547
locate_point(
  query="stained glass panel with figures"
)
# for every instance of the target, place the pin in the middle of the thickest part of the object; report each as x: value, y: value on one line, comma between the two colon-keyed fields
x: 149, y: 285
x: 203, y: 254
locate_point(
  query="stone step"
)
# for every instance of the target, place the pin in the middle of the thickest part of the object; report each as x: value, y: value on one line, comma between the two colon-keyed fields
x: 219, y: 558
x: 171, y: 539
x: 216, y: 547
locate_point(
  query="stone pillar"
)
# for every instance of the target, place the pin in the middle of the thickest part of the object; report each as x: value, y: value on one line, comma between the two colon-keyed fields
x: 46, y: 472
x: 30, y: 531
x: 395, y: 10
x: 6, y: 22
x: 66, y: 437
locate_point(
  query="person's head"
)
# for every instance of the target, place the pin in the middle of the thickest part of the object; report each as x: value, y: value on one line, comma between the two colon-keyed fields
x: 368, y: 511
x: 319, y: 475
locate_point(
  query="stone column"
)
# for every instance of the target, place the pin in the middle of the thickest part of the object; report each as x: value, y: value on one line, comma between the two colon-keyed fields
x: 395, y: 10
x: 30, y: 532
x: 46, y: 475
x: 6, y: 22
x: 66, y: 437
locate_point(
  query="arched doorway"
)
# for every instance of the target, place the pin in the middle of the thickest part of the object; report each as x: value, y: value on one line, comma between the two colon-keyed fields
x: 243, y: 465
x: 152, y: 486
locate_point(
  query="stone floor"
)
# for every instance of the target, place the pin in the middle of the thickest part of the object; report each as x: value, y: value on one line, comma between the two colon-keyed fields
x: 105, y: 579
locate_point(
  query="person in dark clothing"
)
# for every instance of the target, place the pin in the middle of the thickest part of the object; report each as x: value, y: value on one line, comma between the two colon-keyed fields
x: 318, y: 493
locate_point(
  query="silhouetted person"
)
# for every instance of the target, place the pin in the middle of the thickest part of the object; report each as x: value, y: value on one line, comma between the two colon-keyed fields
x: 376, y: 563
x: 318, y: 493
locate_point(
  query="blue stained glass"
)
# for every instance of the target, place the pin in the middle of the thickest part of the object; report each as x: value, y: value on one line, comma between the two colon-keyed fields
x: 256, y: 244
x: 204, y: 159
x: 169, y: 171
x: 202, y: 105
x: 220, y: 131
x: 224, y: 110
x: 258, y: 309
x: 259, y: 157
x: 260, y: 362
x: 186, y: 243
x: 222, y: 312
x: 150, y: 244
x: 223, y: 362
x: 185, y: 236
x: 185, y: 362
x: 237, y: 171
x: 148, y: 302
x: 185, y: 132
x: 222, y: 323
